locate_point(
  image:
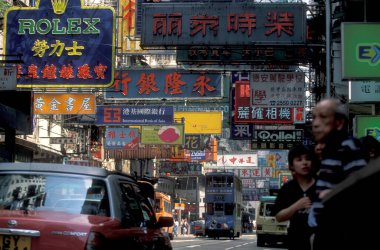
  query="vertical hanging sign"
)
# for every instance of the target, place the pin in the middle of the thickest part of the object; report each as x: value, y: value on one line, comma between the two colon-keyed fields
x: 62, y: 44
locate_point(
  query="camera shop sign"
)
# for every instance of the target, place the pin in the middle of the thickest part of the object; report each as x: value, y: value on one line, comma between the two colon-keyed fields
x: 62, y: 44
x: 260, y: 136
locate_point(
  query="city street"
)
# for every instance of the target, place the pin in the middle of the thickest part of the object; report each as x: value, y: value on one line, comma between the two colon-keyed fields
x: 246, y: 242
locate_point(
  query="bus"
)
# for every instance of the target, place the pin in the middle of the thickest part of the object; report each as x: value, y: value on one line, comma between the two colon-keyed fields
x: 163, y: 207
x: 223, y: 199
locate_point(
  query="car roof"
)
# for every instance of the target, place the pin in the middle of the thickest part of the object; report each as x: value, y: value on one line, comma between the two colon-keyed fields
x: 58, y: 168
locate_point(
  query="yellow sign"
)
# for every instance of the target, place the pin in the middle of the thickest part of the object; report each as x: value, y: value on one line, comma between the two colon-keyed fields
x: 64, y: 103
x: 179, y: 206
x: 201, y: 122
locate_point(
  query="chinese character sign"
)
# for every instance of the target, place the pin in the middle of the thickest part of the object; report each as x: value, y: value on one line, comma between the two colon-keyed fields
x: 168, y: 84
x: 181, y: 24
x: 237, y: 160
x: 64, y: 104
x: 62, y: 44
x: 121, y: 138
x: 134, y: 115
x: 281, y: 89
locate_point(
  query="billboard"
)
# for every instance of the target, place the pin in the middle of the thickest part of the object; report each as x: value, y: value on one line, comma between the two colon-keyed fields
x: 201, y: 122
x: 185, y: 24
x: 62, y: 44
x: 360, y: 50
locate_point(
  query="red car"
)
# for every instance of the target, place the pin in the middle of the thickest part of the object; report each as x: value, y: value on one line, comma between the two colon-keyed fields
x: 62, y: 207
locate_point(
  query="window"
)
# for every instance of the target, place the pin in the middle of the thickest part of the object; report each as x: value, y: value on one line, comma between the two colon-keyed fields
x: 210, y: 208
x: 131, y: 210
x: 229, y: 208
x: 219, y: 207
x: 76, y: 195
x: 269, y: 209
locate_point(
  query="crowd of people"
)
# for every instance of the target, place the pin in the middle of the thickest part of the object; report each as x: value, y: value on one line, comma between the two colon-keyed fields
x: 317, y: 171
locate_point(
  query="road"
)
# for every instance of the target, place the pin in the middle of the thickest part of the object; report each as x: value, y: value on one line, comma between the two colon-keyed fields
x: 246, y: 242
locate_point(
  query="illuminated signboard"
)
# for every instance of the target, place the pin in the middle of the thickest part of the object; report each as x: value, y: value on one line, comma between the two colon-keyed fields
x: 62, y: 44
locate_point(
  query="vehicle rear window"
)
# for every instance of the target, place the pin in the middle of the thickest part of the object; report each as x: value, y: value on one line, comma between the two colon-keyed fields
x: 54, y: 193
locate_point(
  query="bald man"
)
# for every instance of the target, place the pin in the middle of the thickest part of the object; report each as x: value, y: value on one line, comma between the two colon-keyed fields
x: 340, y: 156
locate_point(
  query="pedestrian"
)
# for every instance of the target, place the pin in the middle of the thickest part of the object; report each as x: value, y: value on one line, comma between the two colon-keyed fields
x: 295, y: 198
x: 341, y: 155
x: 371, y: 147
x: 175, y: 228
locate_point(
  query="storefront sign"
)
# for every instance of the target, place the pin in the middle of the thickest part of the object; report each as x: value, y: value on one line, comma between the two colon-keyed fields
x: 134, y: 115
x: 64, y: 103
x: 164, y: 84
x: 237, y: 160
x: 360, y: 51
x: 8, y: 78
x: 62, y: 44
x: 177, y: 24
x: 245, y: 112
x: 280, y: 89
x: 202, y: 55
x: 121, y: 138
x: 278, y: 136
x: 363, y: 91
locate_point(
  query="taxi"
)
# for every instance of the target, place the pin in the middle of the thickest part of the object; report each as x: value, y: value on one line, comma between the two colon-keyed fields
x: 52, y: 206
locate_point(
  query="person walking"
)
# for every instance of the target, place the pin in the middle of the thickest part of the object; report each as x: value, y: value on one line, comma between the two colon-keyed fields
x: 175, y: 228
x: 340, y: 156
x: 295, y: 198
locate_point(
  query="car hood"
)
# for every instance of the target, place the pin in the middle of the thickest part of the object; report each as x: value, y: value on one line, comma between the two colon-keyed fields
x: 56, y: 230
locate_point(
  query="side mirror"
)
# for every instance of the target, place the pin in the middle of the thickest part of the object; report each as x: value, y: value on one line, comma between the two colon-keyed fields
x: 165, y: 221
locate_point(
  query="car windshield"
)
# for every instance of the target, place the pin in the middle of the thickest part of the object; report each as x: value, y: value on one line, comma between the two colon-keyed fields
x: 53, y: 193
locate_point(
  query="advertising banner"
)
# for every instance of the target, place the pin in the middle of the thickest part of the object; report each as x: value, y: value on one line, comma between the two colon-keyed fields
x: 62, y: 43
x: 64, y: 103
x: 167, y: 135
x: 177, y: 24
x: 360, y: 51
x: 164, y: 84
x: 134, y: 115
